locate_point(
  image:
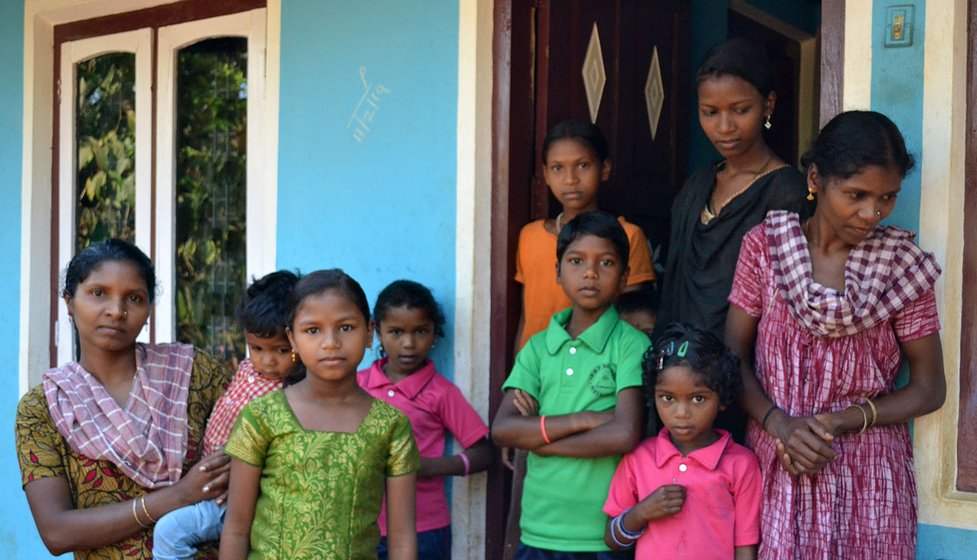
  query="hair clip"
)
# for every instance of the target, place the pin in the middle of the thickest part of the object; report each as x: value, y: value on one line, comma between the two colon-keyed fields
x: 671, y: 347
x: 661, y: 361
x: 683, y: 349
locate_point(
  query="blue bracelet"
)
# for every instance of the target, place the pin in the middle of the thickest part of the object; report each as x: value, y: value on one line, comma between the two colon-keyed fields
x: 624, y: 530
x: 615, y: 527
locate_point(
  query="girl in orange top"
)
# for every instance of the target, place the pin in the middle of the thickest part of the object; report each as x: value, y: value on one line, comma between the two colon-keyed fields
x: 575, y: 163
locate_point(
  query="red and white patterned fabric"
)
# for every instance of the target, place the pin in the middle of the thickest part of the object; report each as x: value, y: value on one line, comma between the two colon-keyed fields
x: 246, y: 386
x: 862, y: 504
x: 147, y: 439
x: 884, y: 273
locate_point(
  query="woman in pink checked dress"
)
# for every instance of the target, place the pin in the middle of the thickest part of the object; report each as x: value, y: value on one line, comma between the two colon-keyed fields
x: 822, y: 312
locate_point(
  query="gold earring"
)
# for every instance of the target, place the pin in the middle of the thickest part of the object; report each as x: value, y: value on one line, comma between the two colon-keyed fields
x: 810, y: 193
x: 768, y: 125
x: 294, y: 357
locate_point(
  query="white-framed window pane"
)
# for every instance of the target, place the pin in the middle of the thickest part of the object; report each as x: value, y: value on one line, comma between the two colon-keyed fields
x: 211, y: 193
x: 104, y: 150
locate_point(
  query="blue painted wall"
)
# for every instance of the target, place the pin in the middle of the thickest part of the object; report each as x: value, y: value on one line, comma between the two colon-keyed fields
x: 897, y: 91
x: 18, y: 537
x: 377, y: 201
x: 945, y: 543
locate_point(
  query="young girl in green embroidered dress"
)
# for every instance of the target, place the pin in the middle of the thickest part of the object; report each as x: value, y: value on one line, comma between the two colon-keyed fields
x: 306, y: 481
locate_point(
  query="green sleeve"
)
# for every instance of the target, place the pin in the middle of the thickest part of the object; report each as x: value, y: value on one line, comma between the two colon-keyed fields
x: 403, y: 458
x: 632, y: 353
x: 525, y: 372
x: 250, y: 437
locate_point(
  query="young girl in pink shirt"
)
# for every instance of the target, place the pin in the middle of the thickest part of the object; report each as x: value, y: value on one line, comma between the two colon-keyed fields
x: 408, y: 322
x: 691, y: 492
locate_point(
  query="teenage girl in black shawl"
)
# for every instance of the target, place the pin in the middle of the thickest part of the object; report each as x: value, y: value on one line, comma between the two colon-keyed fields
x: 721, y: 201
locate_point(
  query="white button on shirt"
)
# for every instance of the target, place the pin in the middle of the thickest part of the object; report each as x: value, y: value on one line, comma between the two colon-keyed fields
x: 683, y: 467
x: 390, y: 393
x: 569, y: 371
x: 573, y: 350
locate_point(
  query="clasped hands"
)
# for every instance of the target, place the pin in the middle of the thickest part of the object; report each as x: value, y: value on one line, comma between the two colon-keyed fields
x: 803, y: 443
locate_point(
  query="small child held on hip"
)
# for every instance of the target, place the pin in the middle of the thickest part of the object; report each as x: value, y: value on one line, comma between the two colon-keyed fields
x: 691, y: 488
x: 408, y: 322
x: 310, y: 463
x: 262, y: 315
x: 573, y: 398
x: 639, y: 308
x: 576, y: 161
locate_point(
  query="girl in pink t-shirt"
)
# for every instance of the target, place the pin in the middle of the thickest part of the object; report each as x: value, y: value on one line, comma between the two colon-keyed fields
x: 690, y: 492
x: 408, y: 321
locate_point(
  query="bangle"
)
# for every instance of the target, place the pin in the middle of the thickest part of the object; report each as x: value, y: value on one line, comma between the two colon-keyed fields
x: 142, y: 502
x: 624, y: 530
x: 467, y: 462
x: 766, y: 416
x: 864, y: 416
x: 875, y: 412
x: 136, y: 517
x: 542, y: 428
x: 615, y: 529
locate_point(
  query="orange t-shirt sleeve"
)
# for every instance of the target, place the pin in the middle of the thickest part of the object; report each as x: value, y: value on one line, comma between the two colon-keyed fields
x: 542, y: 296
x: 519, y: 251
x: 639, y: 261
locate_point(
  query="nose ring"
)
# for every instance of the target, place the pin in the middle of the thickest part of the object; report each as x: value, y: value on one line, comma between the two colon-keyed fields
x: 878, y: 213
x: 125, y: 312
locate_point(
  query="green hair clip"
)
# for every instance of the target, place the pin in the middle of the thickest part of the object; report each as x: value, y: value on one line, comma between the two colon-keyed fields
x: 683, y: 349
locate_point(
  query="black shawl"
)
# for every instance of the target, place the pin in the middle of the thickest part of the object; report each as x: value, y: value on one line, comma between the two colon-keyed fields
x: 702, y: 258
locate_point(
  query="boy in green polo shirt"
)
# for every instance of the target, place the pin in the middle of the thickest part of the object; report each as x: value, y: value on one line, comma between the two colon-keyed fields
x: 573, y: 398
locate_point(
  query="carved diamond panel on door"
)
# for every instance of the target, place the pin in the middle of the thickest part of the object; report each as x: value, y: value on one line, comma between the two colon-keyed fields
x: 654, y: 92
x: 624, y: 65
x: 594, y: 76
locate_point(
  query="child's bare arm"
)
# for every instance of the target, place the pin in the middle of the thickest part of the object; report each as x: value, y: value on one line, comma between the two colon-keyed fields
x: 401, y: 522
x: 665, y: 501
x: 525, y: 403
x: 512, y: 429
x: 242, y: 496
x: 617, y: 436
x: 479, y: 458
x: 745, y: 553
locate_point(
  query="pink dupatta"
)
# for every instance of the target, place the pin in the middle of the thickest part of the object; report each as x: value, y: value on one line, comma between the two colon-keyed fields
x: 147, y: 440
x: 883, y: 274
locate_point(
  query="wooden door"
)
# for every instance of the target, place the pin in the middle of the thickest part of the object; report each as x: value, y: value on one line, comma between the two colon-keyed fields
x: 966, y: 438
x: 539, y: 52
x: 644, y: 47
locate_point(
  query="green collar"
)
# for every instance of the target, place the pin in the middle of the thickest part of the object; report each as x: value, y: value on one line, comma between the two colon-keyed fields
x: 595, y: 337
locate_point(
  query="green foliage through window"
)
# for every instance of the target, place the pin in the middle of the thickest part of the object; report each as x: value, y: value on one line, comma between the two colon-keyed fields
x: 211, y: 194
x: 105, y: 131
